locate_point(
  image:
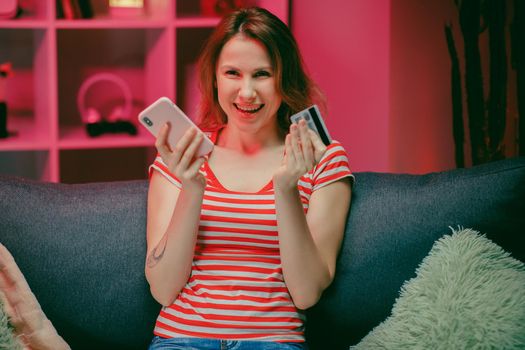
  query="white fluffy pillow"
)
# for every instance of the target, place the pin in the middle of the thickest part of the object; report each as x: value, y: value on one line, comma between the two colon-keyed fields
x: 468, y: 294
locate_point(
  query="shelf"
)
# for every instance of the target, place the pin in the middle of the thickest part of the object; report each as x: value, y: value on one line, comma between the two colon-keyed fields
x: 196, y: 22
x: 110, y: 23
x: 26, y: 136
x: 32, y: 11
x: 77, y: 138
x: 89, y: 165
x: 154, y: 52
x: 28, y: 89
x: 79, y: 58
x: 24, y: 24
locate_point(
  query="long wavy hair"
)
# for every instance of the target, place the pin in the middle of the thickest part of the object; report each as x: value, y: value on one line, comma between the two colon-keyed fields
x: 296, y: 88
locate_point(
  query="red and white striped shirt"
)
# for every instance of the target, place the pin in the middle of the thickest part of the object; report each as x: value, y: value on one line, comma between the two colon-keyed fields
x: 236, y: 289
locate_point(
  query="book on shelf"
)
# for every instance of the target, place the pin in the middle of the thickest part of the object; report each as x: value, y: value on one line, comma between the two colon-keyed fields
x: 74, y: 9
x: 86, y: 10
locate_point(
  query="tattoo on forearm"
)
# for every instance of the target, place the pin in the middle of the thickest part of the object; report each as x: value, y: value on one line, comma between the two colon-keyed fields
x: 158, y: 252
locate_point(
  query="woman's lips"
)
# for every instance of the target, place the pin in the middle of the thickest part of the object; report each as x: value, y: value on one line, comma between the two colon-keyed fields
x: 248, y: 108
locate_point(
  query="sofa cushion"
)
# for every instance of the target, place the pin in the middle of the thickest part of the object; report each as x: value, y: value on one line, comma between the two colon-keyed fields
x: 468, y: 293
x: 394, y: 221
x: 82, y: 250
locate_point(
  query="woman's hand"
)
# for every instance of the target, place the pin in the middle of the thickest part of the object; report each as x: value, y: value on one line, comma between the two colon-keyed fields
x: 303, y: 150
x: 31, y: 326
x: 181, y: 159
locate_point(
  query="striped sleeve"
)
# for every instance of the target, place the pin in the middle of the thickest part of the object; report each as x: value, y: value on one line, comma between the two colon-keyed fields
x: 161, y: 167
x: 332, y: 167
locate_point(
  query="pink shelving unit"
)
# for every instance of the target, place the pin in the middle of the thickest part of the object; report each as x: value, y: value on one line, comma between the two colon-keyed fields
x: 154, y: 52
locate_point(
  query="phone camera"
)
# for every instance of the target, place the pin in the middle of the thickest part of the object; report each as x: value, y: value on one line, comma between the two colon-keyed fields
x: 147, y: 121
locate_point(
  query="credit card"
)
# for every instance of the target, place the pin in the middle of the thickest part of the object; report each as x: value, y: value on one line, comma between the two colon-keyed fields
x: 314, y: 121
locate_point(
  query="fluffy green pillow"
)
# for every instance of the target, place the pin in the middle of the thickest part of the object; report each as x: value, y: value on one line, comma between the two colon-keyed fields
x: 7, y: 339
x: 468, y: 293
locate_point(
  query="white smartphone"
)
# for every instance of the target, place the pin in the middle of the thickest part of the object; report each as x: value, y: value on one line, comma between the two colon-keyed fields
x: 314, y: 121
x: 164, y: 110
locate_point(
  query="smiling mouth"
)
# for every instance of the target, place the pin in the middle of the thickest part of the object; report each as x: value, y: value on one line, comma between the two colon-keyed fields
x: 249, y: 109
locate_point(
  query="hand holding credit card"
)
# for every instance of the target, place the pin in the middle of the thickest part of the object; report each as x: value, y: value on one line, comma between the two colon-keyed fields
x: 313, y: 119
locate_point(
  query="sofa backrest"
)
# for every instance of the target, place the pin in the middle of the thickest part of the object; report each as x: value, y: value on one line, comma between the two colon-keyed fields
x: 82, y: 248
x: 394, y: 221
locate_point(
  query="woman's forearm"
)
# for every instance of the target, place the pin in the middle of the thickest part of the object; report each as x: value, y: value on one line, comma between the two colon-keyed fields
x: 305, y: 272
x: 168, y: 264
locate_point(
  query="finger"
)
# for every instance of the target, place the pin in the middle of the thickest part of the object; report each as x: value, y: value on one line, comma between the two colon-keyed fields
x: 183, y: 144
x: 33, y: 320
x: 306, y: 144
x: 46, y: 338
x: 316, y: 139
x: 187, y: 138
x: 16, y: 294
x: 25, y: 314
x: 318, y: 144
x: 189, y: 153
x: 19, y: 302
x: 8, y: 308
x: 161, y: 143
x: 177, y: 152
x: 12, y: 304
x: 11, y: 274
x: 289, y: 154
x: 194, y: 168
x: 296, y: 147
x: 5, y: 257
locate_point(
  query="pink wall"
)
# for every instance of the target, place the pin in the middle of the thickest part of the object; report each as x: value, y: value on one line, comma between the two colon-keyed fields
x: 385, y: 68
x: 346, y: 48
x: 420, y: 101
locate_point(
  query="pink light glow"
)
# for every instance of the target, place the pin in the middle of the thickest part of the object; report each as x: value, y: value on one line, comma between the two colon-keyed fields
x: 346, y: 48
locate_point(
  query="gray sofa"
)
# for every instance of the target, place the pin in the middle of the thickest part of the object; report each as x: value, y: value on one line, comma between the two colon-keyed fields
x: 82, y: 247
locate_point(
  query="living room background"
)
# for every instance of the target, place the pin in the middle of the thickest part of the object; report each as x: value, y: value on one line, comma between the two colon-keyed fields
x: 382, y: 64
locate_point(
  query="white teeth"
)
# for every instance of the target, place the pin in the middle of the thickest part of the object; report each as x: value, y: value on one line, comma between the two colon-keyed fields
x: 248, y: 109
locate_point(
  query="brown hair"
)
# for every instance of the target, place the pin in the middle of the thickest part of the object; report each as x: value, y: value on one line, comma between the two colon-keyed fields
x: 296, y: 88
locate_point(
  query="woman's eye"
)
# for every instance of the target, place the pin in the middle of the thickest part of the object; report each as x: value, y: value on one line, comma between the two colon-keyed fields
x: 232, y: 72
x: 262, y: 73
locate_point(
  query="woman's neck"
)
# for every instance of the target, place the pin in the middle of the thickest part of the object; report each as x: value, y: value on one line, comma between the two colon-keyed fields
x: 248, y: 143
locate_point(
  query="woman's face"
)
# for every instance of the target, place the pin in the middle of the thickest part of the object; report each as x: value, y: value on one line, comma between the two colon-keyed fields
x: 246, y: 85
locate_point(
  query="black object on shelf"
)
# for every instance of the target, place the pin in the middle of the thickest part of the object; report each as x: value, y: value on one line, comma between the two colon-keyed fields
x: 105, y: 127
x: 86, y: 11
x: 3, y: 120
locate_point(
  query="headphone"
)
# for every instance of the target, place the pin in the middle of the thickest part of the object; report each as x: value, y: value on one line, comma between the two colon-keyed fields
x: 117, y: 121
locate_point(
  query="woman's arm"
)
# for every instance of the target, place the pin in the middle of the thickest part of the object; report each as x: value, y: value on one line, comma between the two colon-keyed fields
x: 173, y: 217
x: 309, y: 243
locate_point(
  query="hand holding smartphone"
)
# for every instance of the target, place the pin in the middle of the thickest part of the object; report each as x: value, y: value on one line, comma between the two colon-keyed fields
x: 314, y: 121
x: 164, y: 110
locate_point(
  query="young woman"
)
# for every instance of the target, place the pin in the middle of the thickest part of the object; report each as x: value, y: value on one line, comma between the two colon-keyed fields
x: 243, y: 240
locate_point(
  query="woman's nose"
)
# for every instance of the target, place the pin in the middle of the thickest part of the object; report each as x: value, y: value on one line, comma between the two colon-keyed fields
x: 247, y: 90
